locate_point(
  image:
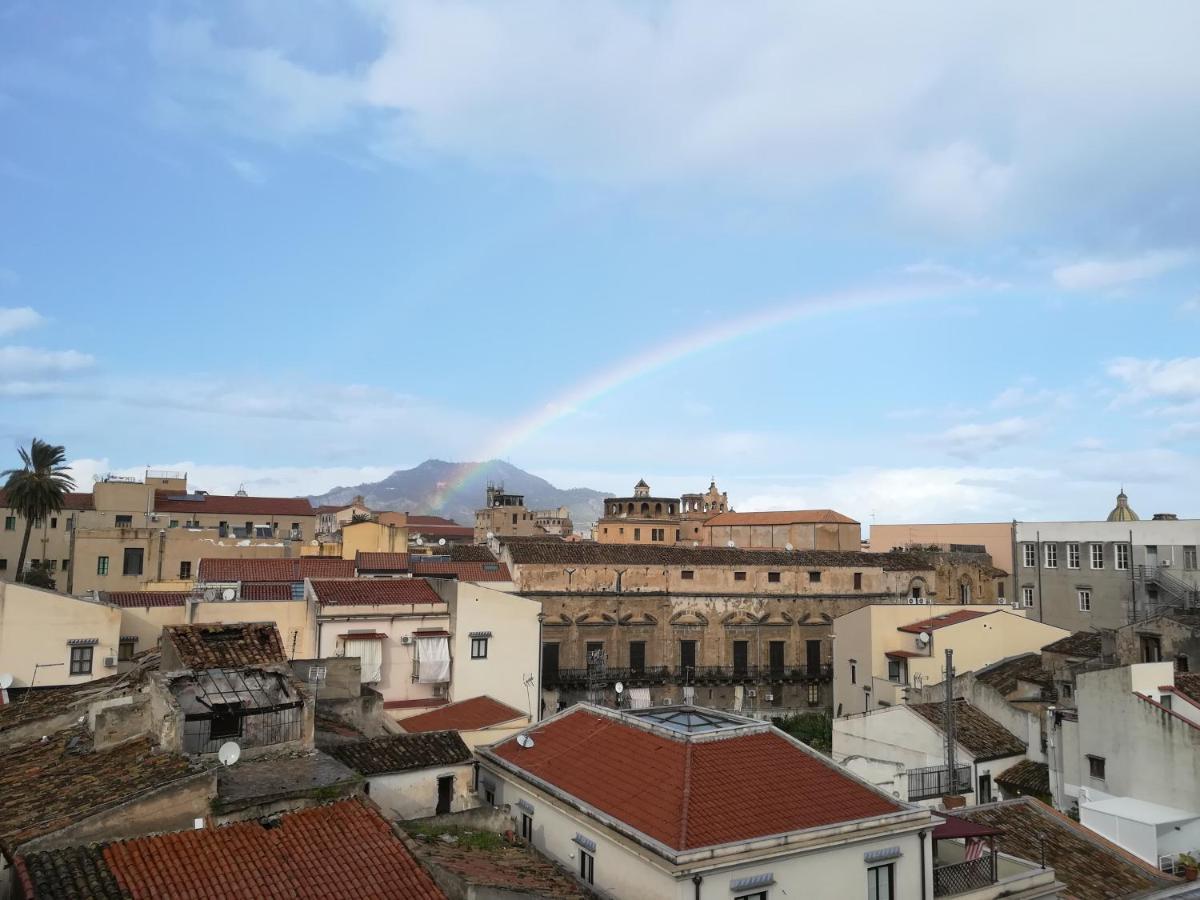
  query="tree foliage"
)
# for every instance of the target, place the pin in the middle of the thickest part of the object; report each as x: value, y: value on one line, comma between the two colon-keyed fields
x: 38, y: 489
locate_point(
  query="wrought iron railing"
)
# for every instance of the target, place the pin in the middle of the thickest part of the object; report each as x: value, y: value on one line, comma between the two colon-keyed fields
x: 959, y: 878
x: 688, y: 675
x: 935, y: 781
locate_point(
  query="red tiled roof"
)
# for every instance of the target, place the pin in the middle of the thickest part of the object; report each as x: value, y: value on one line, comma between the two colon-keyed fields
x: 267, y: 590
x: 902, y: 654
x: 982, y: 736
x: 134, y: 599
x: 71, y: 500
x: 381, y: 562
x: 465, y: 715
x: 416, y: 703
x: 210, y: 504
x: 216, y: 645
x: 959, y: 615
x: 293, y: 569
x: 374, y: 591
x: 463, y: 571
x: 340, y: 850
x: 782, y: 517
x: 688, y: 794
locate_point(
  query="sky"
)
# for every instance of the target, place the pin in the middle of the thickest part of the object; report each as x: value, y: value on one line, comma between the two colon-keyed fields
x: 916, y: 262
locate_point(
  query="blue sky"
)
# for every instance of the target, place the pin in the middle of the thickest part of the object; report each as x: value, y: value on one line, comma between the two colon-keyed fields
x: 298, y: 247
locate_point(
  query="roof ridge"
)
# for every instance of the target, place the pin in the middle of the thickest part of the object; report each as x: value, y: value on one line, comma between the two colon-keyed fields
x: 685, y: 805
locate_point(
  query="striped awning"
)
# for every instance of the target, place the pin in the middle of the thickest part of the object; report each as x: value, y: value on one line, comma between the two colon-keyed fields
x: 874, y: 856
x: 753, y: 881
x: 83, y: 642
x: 480, y: 634
x: 525, y: 806
x: 585, y: 842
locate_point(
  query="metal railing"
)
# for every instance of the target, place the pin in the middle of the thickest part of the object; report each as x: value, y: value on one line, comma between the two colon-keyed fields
x: 959, y: 878
x: 1182, y: 591
x: 935, y: 781
x: 689, y: 675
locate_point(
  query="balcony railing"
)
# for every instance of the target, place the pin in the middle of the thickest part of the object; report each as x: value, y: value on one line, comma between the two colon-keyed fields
x: 959, y: 878
x: 935, y: 781
x: 689, y: 675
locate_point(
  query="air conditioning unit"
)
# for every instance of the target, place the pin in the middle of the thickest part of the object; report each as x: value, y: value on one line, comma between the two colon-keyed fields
x: 110, y: 662
x: 1166, y: 563
x: 912, y: 601
x: 769, y: 697
x: 406, y: 639
x: 752, y: 692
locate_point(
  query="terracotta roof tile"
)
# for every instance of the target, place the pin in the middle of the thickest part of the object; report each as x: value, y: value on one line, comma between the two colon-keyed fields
x: 1081, y: 644
x: 220, y: 646
x: 471, y: 553
x: 1005, y: 674
x: 401, y: 752
x: 46, y: 786
x: 1028, y: 776
x: 374, y: 592
x: 463, y: 571
x: 211, y: 504
x: 1091, y: 867
x: 559, y: 552
x: 71, y: 500
x: 942, y: 621
x: 981, y: 735
x: 133, y: 599
x: 215, y: 569
x: 1188, y: 684
x: 338, y: 850
x: 782, y: 517
x: 267, y: 590
x: 465, y: 715
x: 381, y: 562
x: 688, y: 794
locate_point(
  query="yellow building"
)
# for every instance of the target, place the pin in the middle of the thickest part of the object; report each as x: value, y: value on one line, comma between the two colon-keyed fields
x: 47, y: 638
x: 797, y: 529
x: 646, y: 519
x: 506, y: 516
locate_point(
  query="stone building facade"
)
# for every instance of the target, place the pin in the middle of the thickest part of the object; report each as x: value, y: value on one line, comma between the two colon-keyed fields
x: 506, y: 515
x: 659, y: 521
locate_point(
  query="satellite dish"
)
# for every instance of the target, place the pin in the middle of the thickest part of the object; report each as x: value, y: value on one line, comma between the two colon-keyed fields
x: 228, y: 594
x: 730, y: 544
x: 314, y: 543
x: 525, y: 741
x: 419, y: 541
x: 6, y: 681
x: 210, y: 594
x: 490, y: 535
x: 788, y: 547
x: 229, y: 753
x: 441, y: 542
x: 695, y: 543
x: 923, y: 638
x: 619, y: 687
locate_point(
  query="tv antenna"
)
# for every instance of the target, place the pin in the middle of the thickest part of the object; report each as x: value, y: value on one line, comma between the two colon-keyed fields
x: 229, y: 753
x: 525, y: 741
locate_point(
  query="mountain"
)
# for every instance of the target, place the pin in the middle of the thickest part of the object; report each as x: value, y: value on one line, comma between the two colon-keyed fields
x: 434, y: 488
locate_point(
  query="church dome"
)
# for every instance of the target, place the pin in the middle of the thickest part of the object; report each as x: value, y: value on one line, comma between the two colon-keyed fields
x: 1122, y: 512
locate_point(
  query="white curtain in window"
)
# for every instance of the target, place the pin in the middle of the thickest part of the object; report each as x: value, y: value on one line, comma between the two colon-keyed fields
x: 370, y: 657
x: 433, y: 660
x: 639, y: 698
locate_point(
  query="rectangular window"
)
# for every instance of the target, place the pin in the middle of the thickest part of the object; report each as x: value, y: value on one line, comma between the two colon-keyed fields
x: 814, y: 577
x: 1122, y: 556
x: 776, y: 651
x: 658, y: 534
x: 687, y: 654
x: 226, y: 721
x: 1085, y: 601
x: 1066, y: 690
x: 1097, y: 556
x: 595, y: 653
x: 1096, y: 766
x: 125, y: 650
x: 10, y: 523
x: 1000, y: 591
x: 1027, y: 596
x: 3, y: 565
x: 637, y: 656
x: 894, y: 667
x: 1030, y: 555
x: 132, y: 562
x: 479, y: 648
x: 50, y: 565
x: 879, y: 883
x: 637, y: 534
x: 858, y: 581
x: 185, y: 568
x: 53, y: 522
x: 1189, y: 557
x: 1051, y: 556
x: 984, y: 794
x: 773, y: 577
x: 101, y: 565
x: 174, y: 523
x: 741, y: 657
x: 814, y: 695
x: 739, y: 576
x: 124, y: 521
x: 761, y: 895
x: 687, y: 574
x: 677, y: 536
x: 587, y: 867
x: 527, y: 827
x: 1072, y: 556
x: 853, y: 673
x: 81, y: 660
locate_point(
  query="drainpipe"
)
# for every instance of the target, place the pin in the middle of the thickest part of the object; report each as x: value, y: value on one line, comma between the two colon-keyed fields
x: 1041, y: 597
x: 922, y: 834
x: 696, y: 879
x: 162, y: 550
x: 71, y: 559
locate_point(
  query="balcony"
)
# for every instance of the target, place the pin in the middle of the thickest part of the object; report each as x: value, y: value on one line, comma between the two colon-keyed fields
x: 963, y: 877
x: 935, y: 781
x: 696, y: 675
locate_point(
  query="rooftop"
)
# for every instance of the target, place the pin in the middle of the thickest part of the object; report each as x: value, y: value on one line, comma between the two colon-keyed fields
x: 200, y: 502
x: 44, y: 787
x: 213, y: 569
x: 402, y: 752
x: 982, y: 736
x: 374, y: 592
x: 1188, y: 684
x: 132, y: 599
x: 338, y: 850
x: 465, y: 715
x: 1005, y: 675
x: 782, y: 517
x: 944, y: 620
x: 220, y: 646
x: 590, y: 553
x: 463, y: 571
x: 71, y: 500
x: 687, y: 791
x: 1086, y: 863
x: 471, y: 553
x: 381, y: 562
x: 1028, y: 776
x: 1081, y: 644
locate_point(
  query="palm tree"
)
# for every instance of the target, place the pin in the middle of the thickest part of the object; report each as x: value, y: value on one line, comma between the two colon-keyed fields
x: 38, y: 488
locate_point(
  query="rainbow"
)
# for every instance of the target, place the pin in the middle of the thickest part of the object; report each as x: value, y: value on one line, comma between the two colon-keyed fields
x: 664, y: 354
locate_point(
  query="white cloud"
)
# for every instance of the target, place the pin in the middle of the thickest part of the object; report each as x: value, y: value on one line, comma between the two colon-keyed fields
x: 18, y: 318
x: 246, y: 170
x: 955, y: 275
x: 1027, y: 394
x: 270, y: 481
x: 1102, y: 274
x: 1156, y: 379
x: 25, y: 363
x: 957, y: 184
x: 975, y: 439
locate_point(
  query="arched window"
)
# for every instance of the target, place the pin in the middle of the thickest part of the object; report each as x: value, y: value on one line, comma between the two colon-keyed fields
x: 630, y: 509
x: 658, y: 509
x: 645, y: 509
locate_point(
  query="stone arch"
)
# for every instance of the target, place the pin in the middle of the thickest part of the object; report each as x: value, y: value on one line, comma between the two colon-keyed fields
x: 645, y: 509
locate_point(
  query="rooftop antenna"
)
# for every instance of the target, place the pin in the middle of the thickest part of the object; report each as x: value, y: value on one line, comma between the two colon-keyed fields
x: 525, y: 741
x: 36, y: 666
x: 950, y: 738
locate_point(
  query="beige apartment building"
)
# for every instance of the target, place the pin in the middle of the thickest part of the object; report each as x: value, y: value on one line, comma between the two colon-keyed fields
x: 995, y: 538
x: 506, y: 515
x: 127, y: 533
x: 796, y: 529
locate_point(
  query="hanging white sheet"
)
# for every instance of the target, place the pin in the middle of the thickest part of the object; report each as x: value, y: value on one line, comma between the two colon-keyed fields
x: 433, y: 660
x: 639, y: 698
x: 370, y: 658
